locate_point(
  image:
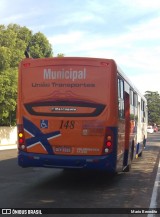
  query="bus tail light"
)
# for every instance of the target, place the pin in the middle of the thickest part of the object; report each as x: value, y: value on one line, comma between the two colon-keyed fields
x: 108, y: 143
x: 21, y: 138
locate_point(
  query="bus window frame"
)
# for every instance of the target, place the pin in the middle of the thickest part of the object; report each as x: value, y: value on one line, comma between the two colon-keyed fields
x: 121, y: 109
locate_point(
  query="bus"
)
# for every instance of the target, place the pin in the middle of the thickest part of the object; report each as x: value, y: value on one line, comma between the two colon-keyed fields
x: 78, y: 113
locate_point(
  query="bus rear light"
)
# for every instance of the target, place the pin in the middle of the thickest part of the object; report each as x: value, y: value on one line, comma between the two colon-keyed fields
x: 21, y: 141
x: 106, y: 150
x: 26, y: 65
x: 108, y: 142
x: 109, y: 138
x: 108, y: 147
x: 21, y: 138
x: 104, y: 64
x: 20, y: 135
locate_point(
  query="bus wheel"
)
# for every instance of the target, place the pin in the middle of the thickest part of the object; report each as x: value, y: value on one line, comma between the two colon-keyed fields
x: 140, y: 154
x: 144, y: 145
x: 127, y: 168
x: 144, y: 142
x: 132, y: 150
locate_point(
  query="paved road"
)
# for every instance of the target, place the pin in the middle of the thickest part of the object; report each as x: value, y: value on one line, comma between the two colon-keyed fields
x: 56, y: 188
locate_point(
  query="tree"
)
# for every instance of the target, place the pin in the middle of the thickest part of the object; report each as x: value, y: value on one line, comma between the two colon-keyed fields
x: 40, y: 46
x: 153, y: 101
x: 13, y: 41
x: 60, y: 55
x: 8, y: 89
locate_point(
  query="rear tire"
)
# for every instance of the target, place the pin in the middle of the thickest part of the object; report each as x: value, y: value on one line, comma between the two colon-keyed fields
x: 127, y: 168
x: 140, y: 154
x: 132, y: 150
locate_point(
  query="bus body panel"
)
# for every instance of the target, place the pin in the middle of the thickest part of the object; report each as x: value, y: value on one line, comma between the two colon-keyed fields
x: 104, y: 162
x: 67, y: 115
x: 66, y: 101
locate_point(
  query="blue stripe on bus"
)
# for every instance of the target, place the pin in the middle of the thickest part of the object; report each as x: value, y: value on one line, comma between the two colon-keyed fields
x: 38, y: 136
x: 104, y: 162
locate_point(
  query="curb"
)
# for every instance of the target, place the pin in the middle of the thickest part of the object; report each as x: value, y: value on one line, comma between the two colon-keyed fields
x: 7, y: 147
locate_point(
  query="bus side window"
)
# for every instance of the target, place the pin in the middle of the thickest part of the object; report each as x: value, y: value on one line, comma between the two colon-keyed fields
x: 121, y: 98
x: 133, y: 105
x: 135, y: 100
x: 143, y: 110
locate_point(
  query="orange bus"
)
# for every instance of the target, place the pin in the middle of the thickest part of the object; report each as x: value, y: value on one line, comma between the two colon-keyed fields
x: 79, y: 113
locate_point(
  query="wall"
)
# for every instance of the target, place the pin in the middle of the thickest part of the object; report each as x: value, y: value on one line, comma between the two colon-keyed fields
x: 8, y: 135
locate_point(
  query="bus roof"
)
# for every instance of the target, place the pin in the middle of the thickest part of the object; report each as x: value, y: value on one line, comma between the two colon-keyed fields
x: 93, y: 61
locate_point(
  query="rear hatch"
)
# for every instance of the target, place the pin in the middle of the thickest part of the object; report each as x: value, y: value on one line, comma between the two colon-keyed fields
x: 65, y: 105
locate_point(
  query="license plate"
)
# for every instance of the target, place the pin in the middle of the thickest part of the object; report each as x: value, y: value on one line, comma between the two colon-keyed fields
x: 63, y: 149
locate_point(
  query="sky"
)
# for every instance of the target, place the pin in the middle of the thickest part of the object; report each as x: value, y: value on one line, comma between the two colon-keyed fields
x: 127, y: 31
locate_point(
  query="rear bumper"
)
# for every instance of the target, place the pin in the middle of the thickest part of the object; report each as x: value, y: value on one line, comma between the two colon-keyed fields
x: 107, y: 163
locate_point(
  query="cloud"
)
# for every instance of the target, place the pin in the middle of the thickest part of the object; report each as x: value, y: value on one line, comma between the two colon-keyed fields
x: 146, y: 82
x: 66, y: 39
x: 3, y: 5
x: 141, y: 5
x: 13, y: 18
x: 125, y: 30
x: 147, y: 30
x: 136, y: 50
x: 123, y: 42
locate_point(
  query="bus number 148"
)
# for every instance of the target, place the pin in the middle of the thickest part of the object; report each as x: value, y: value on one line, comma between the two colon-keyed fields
x: 67, y: 124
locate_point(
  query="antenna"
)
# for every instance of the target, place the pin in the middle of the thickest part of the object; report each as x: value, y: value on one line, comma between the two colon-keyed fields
x: 26, y: 53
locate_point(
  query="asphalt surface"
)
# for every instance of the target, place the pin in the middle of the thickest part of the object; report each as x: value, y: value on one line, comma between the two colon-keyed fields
x: 37, y: 188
